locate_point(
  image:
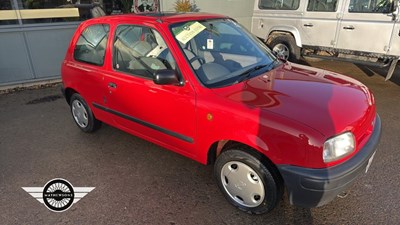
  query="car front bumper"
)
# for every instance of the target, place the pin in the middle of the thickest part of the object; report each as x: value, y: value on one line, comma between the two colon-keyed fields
x: 316, y: 187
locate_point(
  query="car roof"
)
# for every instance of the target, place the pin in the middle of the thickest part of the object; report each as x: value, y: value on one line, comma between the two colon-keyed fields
x: 169, y: 17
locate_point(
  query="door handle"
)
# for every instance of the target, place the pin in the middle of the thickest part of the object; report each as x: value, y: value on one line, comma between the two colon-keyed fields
x: 308, y: 25
x: 349, y: 27
x: 112, y: 85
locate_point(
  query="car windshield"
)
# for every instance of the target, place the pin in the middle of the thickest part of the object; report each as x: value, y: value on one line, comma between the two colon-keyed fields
x: 221, y: 52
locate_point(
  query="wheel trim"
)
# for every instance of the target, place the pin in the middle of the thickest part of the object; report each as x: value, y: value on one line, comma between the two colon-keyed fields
x: 79, y: 113
x: 242, y: 184
x: 281, y: 50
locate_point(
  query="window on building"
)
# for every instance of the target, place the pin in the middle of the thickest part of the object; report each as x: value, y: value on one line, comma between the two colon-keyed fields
x: 322, y: 5
x: 279, y: 4
x: 92, y: 44
x: 8, y: 16
x: 140, y: 51
x: 51, y: 11
x: 371, y: 6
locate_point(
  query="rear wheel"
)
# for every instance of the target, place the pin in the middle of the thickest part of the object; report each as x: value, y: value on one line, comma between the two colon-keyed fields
x: 246, y: 182
x: 83, y: 115
x: 284, y: 46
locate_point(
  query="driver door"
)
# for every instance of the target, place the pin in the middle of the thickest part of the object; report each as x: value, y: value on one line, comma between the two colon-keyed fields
x: 366, y: 26
x: 164, y: 114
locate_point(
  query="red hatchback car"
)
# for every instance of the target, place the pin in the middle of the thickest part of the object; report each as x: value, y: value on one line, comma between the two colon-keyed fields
x: 202, y: 86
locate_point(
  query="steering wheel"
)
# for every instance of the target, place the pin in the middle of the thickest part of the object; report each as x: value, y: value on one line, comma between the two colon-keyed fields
x: 197, y: 58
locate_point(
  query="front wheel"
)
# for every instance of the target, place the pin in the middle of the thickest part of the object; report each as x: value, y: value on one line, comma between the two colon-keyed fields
x: 246, y: 182
x: 284, y: 46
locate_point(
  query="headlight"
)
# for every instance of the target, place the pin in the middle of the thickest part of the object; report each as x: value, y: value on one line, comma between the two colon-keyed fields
x: 338, y: 147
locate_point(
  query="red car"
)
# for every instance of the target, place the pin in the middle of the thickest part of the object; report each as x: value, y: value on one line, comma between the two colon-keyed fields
x: 202, y: 86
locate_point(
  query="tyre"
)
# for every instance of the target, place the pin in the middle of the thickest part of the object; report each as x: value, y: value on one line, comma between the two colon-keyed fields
x: 284, y: 46
x: 246, y: 182
x: 312, y: 59
x: 83, y: 115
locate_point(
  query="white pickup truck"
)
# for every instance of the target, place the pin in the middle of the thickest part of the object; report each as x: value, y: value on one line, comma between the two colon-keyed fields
x: 360, y: 31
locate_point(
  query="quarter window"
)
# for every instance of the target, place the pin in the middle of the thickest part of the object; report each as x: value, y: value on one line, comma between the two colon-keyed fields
x: 91, y: 45
x: 371, y: 6
x: 279, y: 4
x: 322, y: 5
x: 140, y: 51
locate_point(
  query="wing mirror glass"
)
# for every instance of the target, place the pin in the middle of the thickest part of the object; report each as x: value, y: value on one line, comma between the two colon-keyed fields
x: 166, y: 77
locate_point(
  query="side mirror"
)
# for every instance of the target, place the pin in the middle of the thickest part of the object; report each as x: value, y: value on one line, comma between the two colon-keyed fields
x: 389, y: 8
x: 166, y: 77
x: 393, y: 12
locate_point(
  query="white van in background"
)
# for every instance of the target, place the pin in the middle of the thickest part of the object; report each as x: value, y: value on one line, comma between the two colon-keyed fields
x: 359, y: 31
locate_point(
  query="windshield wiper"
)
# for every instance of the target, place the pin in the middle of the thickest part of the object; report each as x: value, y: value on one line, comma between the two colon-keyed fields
x: 246, y: 74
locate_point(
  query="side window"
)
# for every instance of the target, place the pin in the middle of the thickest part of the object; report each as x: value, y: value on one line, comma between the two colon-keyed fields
x: 371, y: 6
x: 140, y: 51
x: 279, y: 4
x: 92, y: 44
x: 322, y: 5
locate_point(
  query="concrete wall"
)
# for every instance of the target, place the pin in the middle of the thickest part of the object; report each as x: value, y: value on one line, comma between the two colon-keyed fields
x: 241, y: 10
x: 33, y: 53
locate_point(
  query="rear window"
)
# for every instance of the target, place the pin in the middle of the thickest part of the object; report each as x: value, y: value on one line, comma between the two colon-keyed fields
x: 91, y: 45
x: 279, y: 4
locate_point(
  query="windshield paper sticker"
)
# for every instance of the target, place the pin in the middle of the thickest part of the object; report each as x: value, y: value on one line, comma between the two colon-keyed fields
x: 210, y: 44
x: 189, y: 32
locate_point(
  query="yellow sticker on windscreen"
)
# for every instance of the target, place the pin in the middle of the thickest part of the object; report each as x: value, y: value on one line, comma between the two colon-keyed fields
x: 189, y: 32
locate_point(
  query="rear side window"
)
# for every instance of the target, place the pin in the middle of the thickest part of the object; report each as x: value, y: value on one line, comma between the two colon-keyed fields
x: 91, y: 45
x: 279, y: 4
x: 322, y: 5
x: 371, y: 6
